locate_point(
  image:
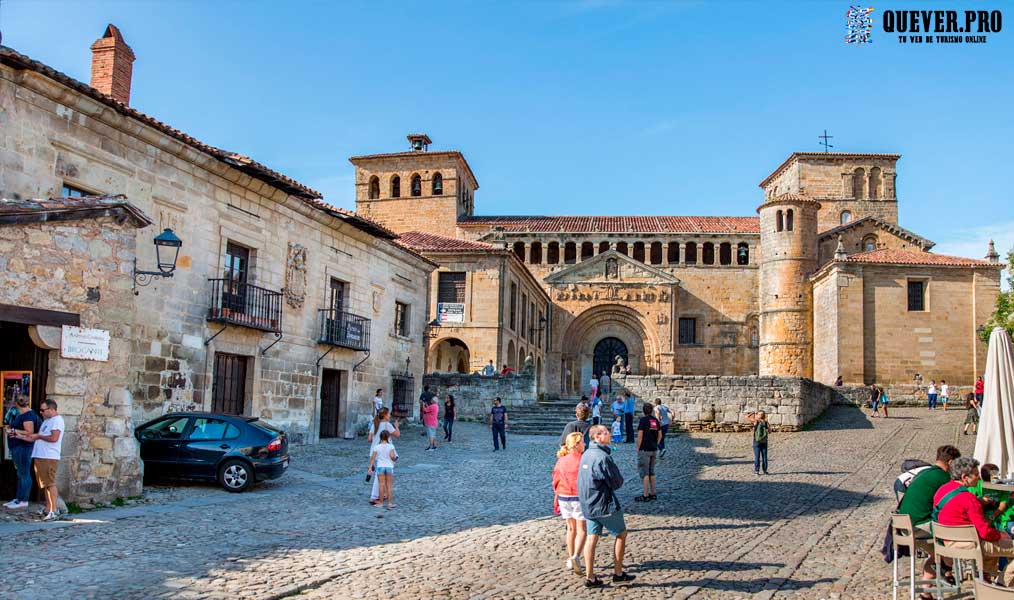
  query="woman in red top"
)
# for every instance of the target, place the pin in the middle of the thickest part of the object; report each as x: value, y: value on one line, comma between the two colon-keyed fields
x: 565, y: 501
x: 963, y: 508
x: 979, y: 389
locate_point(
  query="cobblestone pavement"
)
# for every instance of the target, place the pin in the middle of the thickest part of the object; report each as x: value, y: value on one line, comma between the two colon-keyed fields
x: 471, y: 523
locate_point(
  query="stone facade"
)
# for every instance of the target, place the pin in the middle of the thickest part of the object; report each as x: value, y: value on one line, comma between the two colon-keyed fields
x: 473, y: 394
x: 65, y: 138
x: 83, y: 266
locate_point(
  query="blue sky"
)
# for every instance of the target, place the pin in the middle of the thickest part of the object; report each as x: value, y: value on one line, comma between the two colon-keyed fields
x: 585, y: 107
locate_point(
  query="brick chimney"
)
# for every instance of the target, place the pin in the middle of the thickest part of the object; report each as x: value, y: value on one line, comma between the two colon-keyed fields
x: 112, y: 65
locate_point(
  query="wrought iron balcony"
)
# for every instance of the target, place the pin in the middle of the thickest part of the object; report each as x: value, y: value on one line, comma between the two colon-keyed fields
x: 344, y: 329
x: 246, y: 305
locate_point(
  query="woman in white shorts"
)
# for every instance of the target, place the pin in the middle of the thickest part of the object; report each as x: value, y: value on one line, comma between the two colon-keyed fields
x: 565, y: 500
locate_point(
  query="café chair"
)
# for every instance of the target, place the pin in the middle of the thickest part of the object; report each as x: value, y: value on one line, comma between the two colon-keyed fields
x: 914, y: 539
x: 969, y: 549
x: 988, y: 591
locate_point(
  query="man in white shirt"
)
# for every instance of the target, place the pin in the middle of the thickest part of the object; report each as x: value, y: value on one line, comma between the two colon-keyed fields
x: 378, y: 401
x: 46, y: 454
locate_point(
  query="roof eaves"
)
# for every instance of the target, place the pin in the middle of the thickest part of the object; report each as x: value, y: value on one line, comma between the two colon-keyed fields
x: 796, y: 155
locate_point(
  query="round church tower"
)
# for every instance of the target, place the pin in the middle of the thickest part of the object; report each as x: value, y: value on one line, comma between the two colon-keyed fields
x: 788, y: 232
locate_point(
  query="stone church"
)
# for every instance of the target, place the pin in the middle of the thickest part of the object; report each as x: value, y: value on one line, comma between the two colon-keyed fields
x: 822, y: 283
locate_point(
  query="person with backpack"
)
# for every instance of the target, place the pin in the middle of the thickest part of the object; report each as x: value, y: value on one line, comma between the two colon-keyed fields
x: 760, y: 441
x: 917, y: 502
x: 955, y: 505
x: 662, y: 414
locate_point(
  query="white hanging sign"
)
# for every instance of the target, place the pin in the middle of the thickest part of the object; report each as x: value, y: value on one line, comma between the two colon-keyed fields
x: 85, y: 344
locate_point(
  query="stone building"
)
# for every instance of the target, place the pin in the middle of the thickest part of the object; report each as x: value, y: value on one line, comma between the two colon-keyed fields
x: 282, y: 306
x: 823, y: 282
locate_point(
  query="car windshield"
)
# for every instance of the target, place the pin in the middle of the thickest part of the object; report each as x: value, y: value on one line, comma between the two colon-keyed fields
x: 269, y: 429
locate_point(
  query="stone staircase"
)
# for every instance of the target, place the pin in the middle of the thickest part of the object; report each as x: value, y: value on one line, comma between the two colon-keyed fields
x: 547, y: 417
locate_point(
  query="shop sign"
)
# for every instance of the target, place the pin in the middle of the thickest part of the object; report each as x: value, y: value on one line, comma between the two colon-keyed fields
x: 85, y: 344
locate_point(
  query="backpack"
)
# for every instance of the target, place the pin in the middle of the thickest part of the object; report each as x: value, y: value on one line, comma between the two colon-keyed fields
x: 909, y: 470
x: 760, y: 432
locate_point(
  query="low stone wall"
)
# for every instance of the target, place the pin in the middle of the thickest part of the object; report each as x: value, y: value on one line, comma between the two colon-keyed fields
x: 473, y: 394
x: 721, y: 403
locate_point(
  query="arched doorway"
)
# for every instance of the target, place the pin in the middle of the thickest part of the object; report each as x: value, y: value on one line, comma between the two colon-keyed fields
x: 605, y: 355
x: 449, y: 355
x: 583, y: 334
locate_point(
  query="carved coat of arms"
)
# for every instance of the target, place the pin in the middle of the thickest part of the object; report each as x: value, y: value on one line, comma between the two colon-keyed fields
x: 295, y: 276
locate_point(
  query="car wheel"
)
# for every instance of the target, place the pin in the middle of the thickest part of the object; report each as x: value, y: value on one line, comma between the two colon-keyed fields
x: 235, y: 476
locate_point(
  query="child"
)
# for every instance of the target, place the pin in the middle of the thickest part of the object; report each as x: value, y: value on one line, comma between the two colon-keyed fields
x: 945, y: 394
x: 996, y: 504
x: 384, y: 456
x: 617, y: 432
x: 972, y: 415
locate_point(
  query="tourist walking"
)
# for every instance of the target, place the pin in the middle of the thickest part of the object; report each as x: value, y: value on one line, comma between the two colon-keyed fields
x: 430, y: 418
x: 931, y: 395
x: 596, y: 408
x: 760, y: 441
x: 378, y: 401
x: 662, y: 413
x: 980, y: 387
x: 649, y: 432
x: 579, y: 425
x: 605, y: 384
x: 971, y: 414
x: 594, y: 383
x: 424, y: 401
x: 597, y: 482
x: 628, y: 417
x: 26, y: 422
x: 498, y: 424
x: 449, y: 410
x: 46, y: 454
x: 381, y: 423
x: 565, y: 498
x: 945, y: 393
x: 875, y: 400
x: 383, y: 456
x: 884, y: 401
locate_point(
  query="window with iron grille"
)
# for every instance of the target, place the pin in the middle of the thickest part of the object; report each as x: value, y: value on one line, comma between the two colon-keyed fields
x: 451, y: 287
x: 401, y: 396
x: 688, y: 330
x: 916, y: 295
x: 401, y: 323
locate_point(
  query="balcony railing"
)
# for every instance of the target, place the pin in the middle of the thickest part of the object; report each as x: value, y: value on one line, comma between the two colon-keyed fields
x: 339, y: 328
x: 245, y: 304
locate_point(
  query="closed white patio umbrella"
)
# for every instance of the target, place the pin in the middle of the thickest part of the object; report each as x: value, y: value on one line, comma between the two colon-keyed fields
x: 995, y: 442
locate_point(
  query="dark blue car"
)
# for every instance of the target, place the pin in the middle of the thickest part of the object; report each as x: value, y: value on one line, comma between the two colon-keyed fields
x: 235, y: 451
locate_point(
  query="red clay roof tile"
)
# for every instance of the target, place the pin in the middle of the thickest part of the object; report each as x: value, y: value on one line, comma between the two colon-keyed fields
x: 916, y: 257
x: 430, y: 242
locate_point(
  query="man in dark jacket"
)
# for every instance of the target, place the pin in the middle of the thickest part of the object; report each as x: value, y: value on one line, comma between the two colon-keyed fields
x: 580, y: 425
x: 597, y: 481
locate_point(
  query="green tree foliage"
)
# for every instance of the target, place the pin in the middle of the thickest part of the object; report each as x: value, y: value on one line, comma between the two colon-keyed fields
x: 1003, y: 316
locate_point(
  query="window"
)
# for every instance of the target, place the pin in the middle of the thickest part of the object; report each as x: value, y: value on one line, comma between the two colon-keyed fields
x: 401, y: 324
x: 639, y: 251
x: 916, y: 295
x: 524, y: 316
x: 553, y: 253
x: 587, y: 250
x: 513, y: 306
x: 788, y: 220
x: 603, y: 247
x: 708, y: 254
x: 438, y: 184
x: 401, y: 396
x: 336, y: 296
x: 570, y: 253
x: 846, y: 217
x: 228, y: 389
x: 207, y: 429
x: 725, y: 253
x: 416, y: 185
x: 519, y: 250
x: 532, y: 324
x: 374, y: 187
x: 869, y: 243
x: 541, y: 326
x: 536, y: 253
x: 396, y: 187
x: 779, y: 223
x: 235, y: 270
x: 743, y: 253
x: 170, y: 429
x: 688, y: 330
x: 69, y: 191
x: 451, y: 286
x: 690, y: 254
x: 858, y: 183
x: 673, y: 253
x: 874, y: 183
x: 656, y: 253
x: 621, y: 247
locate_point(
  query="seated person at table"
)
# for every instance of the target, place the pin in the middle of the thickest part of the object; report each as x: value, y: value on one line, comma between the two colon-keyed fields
x: 996, y: 505
x: 918, y: 501
x: 957, y: 506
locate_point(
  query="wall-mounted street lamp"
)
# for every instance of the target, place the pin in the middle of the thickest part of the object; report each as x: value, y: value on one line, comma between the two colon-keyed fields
x: 167, y: 250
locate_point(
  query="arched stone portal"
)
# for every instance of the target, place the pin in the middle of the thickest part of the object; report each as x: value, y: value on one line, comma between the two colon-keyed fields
x: 592, y: 327
x: 449, y: 355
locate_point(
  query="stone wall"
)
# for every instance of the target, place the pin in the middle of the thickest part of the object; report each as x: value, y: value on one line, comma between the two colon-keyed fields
x: 83, y: 267
x: 473, y: 394
x: 718, y: 403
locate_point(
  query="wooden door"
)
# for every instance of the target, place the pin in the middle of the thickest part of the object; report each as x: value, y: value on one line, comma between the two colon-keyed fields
x: 330, y: 399
x: 228, y: 395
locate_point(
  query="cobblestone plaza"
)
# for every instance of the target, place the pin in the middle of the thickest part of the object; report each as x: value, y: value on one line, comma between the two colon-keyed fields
x: 474, y: 524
